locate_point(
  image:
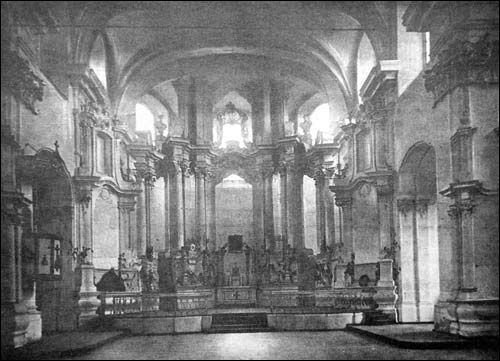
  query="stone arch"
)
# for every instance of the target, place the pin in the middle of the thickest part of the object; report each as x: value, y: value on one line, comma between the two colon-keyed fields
x: 418, y: 236
x: 417, y: 174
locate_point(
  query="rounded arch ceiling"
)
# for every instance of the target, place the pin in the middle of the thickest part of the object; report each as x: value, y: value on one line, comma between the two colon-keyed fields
x: 313, y: 42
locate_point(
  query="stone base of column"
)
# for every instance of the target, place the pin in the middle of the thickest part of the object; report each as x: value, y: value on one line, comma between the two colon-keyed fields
x: 467, y: 318
x: 15, y: 327
x: 386, y: 298
x: 88, y: 302
x: 409, y: 312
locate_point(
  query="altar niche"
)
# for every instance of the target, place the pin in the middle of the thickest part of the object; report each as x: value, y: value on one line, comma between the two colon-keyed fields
x: 234, y: 210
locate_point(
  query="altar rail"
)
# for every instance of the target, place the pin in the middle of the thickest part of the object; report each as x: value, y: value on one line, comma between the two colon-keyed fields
x: 185, y: 301
x: 119, y: 303
x: 351, y: 300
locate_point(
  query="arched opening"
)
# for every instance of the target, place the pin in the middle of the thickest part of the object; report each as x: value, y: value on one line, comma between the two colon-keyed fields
x: 418, y: 234
x: 144, y: 122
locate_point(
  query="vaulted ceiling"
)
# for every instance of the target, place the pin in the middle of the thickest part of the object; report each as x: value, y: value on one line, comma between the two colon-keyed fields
x: 312, y: 45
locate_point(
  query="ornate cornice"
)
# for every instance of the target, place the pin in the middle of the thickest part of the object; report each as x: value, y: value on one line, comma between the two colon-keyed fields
x: 20, y: 80
x: 463, y: 63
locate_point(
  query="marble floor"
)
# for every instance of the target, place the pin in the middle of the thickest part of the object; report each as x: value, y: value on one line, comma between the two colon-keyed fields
x: 330, y: 345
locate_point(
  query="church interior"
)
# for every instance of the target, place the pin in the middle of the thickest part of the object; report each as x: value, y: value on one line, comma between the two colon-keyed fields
x: 175, y: 167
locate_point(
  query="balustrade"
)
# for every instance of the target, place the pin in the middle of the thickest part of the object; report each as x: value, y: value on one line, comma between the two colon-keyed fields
x: 119, y: 303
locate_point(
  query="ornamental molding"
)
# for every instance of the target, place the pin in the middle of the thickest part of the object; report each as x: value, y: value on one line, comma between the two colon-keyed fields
x: 463, y: 63
x: 20, y: 80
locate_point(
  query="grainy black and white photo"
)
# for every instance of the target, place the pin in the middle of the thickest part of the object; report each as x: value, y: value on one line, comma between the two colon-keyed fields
x: 249, y: 180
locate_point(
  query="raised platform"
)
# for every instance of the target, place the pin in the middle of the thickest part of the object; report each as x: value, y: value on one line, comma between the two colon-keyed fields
x: 294, y: 319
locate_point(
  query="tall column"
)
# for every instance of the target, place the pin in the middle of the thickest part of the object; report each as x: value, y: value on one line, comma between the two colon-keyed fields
x: 267, y: 135
x: 181, y: 87
x: 295, y: 207
x: 125, y: 208
x: 212, y: 232
x: 148, y: 185
x: 283, y: 202
x: 409, y: 260
x: 88, y: 302
x: 141, y: 220
x: 330, y: 215
x: 199, y: 204
x: 176, y: 189
x: 319, y: 182
x: 14, y: 326
x: 258, y: 209
x: 385, y: 217
x: 345, y: 202
x: 267, y: 173
x: 166, y: 182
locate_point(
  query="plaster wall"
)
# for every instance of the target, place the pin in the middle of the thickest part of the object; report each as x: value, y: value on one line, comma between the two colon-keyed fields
x: 365, y: 224
x: 105, y: 229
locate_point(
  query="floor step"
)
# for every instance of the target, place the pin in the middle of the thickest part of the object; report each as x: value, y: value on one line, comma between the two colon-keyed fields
x: 239, y: 322
x: 239, y: 330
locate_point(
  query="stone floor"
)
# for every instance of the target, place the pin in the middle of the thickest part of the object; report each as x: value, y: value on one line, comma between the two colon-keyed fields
x: 65, y: 343
x: 418, y: 335
x: 272, y: 345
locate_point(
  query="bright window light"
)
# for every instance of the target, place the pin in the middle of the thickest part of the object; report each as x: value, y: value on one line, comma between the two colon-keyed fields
x: 320, y: 119
x: 231, y: 133
x: 144, y: 119
x: 427, y: 47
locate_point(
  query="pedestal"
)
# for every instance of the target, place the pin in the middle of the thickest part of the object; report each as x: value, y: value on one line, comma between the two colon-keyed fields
x: 88, y: 302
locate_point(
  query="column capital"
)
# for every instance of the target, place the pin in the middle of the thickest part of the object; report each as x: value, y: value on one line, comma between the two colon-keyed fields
x: 405, y: 205
x: 126, y: 204
x: 343, y: 201
x: 461, y: 207
x: 267, y: 169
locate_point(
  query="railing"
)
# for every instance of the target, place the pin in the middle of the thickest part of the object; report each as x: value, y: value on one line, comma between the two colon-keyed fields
x: 119, y: 303
x: 345, y: 300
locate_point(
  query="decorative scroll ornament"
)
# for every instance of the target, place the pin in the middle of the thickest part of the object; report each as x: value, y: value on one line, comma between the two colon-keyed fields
x: 95, y: 115
x: 463, y: 63
x: 18, y: 77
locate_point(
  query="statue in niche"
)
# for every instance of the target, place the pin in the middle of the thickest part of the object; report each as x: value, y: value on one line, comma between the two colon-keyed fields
x: 306, y: 127
x: 149, y: 271
x: 349, y: 272
x: 289, y: 129
x: 235, y: 276
x: 323, y: 275
x: 319, y: 138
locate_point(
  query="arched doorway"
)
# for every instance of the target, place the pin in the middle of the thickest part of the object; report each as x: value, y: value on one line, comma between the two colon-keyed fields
x: 47, y: 243
x: 416, y: 199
